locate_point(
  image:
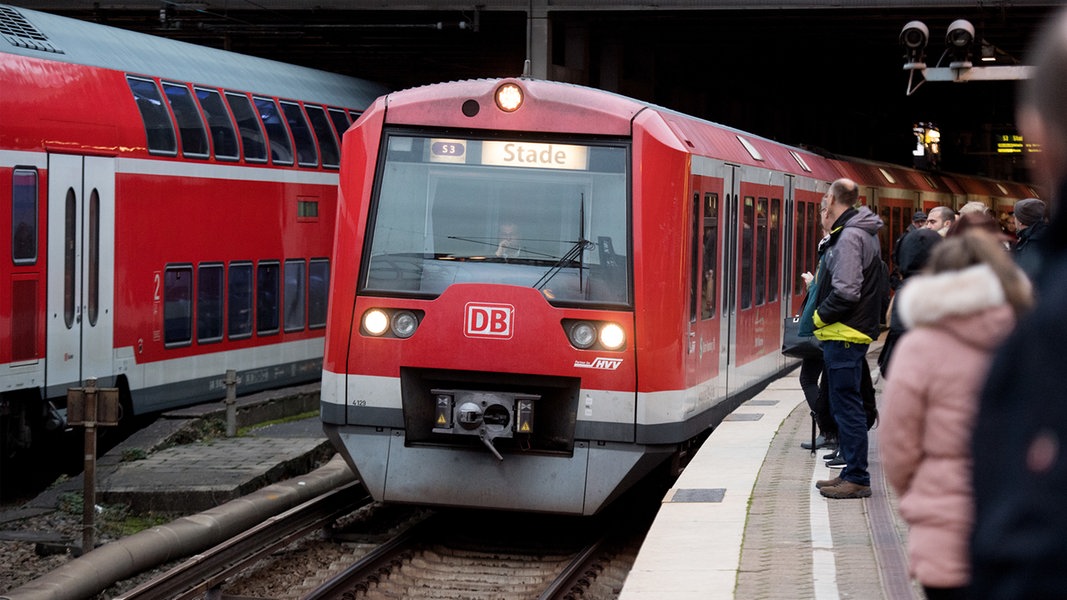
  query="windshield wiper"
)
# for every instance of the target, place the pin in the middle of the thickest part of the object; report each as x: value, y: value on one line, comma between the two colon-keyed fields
x: 576, y: 251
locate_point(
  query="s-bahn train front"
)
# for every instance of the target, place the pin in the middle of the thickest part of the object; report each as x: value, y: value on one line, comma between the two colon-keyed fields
x: 481, y: 343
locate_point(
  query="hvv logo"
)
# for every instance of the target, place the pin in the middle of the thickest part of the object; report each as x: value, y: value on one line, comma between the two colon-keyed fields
x: 488, y: 320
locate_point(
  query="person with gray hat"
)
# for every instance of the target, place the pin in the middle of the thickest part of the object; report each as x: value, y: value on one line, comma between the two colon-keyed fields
x: 1030, y: 227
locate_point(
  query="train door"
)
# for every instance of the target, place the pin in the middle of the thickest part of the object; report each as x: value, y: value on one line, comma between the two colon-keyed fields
x: 704, y: 347
x: 81, y: 258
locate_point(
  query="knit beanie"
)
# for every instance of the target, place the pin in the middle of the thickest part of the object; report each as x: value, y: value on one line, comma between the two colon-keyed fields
x: 1029, y: 211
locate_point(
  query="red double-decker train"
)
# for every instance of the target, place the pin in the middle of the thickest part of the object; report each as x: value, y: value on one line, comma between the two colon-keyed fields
x: 169, y: 215
x: 543, y: 292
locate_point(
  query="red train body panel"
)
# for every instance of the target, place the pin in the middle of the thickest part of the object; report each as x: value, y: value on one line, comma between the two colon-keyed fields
x: 534, y: 306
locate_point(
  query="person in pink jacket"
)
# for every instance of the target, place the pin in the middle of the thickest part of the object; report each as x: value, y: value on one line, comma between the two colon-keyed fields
x: 956, y: 312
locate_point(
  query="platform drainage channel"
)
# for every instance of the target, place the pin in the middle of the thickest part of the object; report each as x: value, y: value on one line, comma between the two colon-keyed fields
x: 699, y: 495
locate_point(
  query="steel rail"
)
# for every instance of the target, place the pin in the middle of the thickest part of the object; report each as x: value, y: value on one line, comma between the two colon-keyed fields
x: 205, y: 571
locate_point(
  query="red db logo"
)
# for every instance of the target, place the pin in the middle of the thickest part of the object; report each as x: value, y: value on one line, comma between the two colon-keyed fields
x: 488, y: 320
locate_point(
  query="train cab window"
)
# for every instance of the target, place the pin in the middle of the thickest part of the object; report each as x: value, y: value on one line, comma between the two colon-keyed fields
x: 331, y: 155
x: 281, y: 150
x: 295, y: 296
x: 223, y: 137
x: 306, y: 154
x: 252, y: 138
x: 318, y: 286
x: 774, y: 218
x: 209, y: 303
x: 340, y: 121
x: 549, y: 214
x: 190, y: 125
x: 177, y: 306
x: 157, y: 124
x: 24, y: 216
x: 239, y: 301
x: 268, y: 297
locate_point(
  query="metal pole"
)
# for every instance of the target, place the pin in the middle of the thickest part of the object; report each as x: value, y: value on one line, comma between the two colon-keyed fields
x: 231, y: 402
x: 89, y: 476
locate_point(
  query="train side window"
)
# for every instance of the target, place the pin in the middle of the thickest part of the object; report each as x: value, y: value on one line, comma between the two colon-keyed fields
x: 774, y: 219
x: 209, y: 303
x: 711, y: 254
x: 318, y: 287
x: 190, y: 125
x: 223, y: 137
x: 24, y: 216
x: 177, y: 306
x: 239, y: 301
x: 694, y: 259
x: 281, y: 150
x: 331, y: 155
x: 306, y: 154
x: 803, y: 252
x: 268, y: 292
x: 70, y: 243
x: 252, y: 138
x: 340, y: 121
x: 159, y: 130
x: 295, y: 295
x: 760, y: 257
x: 92, y: 283
x: 748, y: 221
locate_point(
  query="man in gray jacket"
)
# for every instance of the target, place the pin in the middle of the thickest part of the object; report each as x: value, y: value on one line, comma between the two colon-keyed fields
x: 847, y: 320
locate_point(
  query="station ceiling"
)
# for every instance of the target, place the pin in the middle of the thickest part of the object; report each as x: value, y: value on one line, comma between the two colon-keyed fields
x: 810, y: 73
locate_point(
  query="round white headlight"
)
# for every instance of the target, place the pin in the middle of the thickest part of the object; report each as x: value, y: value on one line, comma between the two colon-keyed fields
x: 375, y: 321
x: 612, y: 336
x: 509, y: 97
x: 582, y: 335
x: 404, y: 324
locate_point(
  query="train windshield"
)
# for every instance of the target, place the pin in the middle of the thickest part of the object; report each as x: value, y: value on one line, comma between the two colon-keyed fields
x: 548, y: 215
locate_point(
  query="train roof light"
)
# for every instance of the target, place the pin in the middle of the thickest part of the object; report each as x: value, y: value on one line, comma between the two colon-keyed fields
x: 509, y: 97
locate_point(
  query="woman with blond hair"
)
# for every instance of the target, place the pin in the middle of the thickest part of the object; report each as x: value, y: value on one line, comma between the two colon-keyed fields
x: 957, y: 311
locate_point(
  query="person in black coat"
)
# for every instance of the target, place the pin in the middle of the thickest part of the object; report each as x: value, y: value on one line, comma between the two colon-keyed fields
x: 1031, y: 228
x: 1018, y: 547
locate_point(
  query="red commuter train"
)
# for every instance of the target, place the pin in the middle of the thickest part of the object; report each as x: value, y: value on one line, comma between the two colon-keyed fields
x: 168, y: 215
x: 542, y: 292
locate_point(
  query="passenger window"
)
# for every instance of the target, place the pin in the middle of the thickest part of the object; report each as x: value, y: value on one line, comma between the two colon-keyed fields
x: 177, y: 306
x: 331, y: 156
x: 268, y: 290
x: 190, y: 126
x: 219, y: 124
x: 748, y: 216
x: 306, y: 155
x: 159, y: 130
x: 318, y: 286
x: 209, y: 303
x: 773, y: 219
x: 340, y: 121
x: 294, y: 295
x: 709, y: 282
x: 239, y: 306
x: 281, y: 150
x: 24, y: 216
x: 248, y: 124
x: 761, y: 258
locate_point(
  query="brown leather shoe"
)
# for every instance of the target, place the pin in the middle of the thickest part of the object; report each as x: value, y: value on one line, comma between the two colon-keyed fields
x: 846, y: 489
x: 828, y: 482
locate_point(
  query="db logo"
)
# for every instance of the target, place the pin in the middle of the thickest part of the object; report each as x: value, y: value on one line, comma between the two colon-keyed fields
x: 488, y: 320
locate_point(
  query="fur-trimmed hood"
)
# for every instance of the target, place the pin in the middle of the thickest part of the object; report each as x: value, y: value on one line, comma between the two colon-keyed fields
x: 962, y: 302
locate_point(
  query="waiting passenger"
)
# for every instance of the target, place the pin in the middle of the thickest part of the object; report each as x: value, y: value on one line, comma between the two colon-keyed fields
x: 956, y: 313
x: 1030, y: 228
x: 940, y: 219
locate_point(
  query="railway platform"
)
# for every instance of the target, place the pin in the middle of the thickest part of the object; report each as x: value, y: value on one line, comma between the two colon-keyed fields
x: 744, y: 519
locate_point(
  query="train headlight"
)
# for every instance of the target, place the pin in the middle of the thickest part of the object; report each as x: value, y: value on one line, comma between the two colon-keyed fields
x: 612, y: 336
x: 509, y: 97
x: 582, y: 334
x: 404, y: 323
x: 375, y: 321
